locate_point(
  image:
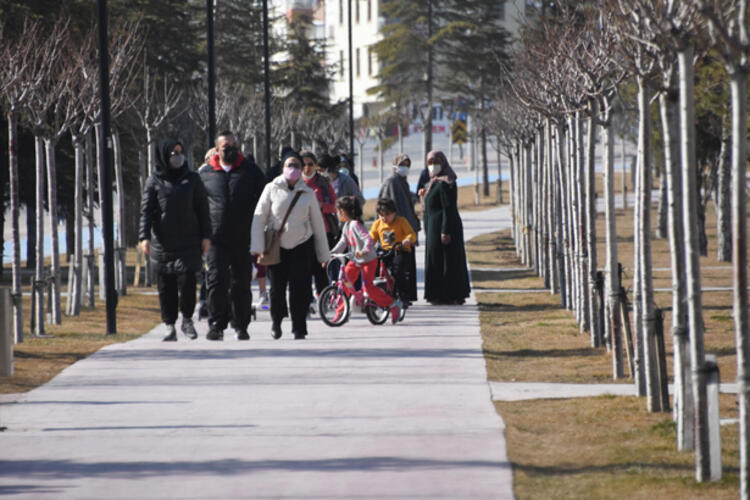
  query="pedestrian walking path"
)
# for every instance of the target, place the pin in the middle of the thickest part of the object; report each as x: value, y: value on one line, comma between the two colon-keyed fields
x: 353, y: 412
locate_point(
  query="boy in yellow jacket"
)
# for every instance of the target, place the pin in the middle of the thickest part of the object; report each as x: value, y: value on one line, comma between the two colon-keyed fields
x: 388, y: 230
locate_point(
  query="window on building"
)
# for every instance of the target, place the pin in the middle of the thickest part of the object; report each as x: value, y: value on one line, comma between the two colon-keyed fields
x: 341, y: 63
x: 356, y: 10
x: 369, y: 61
x: 369, y: 10
x: 356, y: 67
x: 341, y: 11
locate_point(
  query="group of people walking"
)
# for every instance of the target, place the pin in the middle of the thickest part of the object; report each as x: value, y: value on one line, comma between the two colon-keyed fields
x: 216, y: 221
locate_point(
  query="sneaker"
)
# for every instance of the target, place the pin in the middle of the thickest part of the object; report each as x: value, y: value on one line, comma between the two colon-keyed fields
x: 171, y: 335
x: 189, y: 329
x: 313, y: 305
x: 300, y: 335
x: 276, y: 331
x: 396, y: 311
x: 215, y: 334
x: 242, y: 335
x: 262, y: 302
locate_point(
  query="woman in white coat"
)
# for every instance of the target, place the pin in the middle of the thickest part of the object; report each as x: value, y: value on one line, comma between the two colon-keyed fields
x: 303, y: 233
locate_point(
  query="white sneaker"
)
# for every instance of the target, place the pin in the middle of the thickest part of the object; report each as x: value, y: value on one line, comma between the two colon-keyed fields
x: 262, y: 302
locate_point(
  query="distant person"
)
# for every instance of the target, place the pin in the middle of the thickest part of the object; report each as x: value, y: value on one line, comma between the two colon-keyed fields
x: 326, y: 197
x: 233, y: 184
x: 342, y: 184
x: 276, y: 168
x: 446, y: 277
x: 303, y: 234
x: 396, y: 188
x: 346, y: 167
x: 174, y: 231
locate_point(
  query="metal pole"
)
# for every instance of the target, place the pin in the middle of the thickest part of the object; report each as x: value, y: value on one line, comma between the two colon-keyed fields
x: 106, y: 169
x: 351, y: 87
x: 211, y: 73
x: 266, y: 85
x: 428, y: 122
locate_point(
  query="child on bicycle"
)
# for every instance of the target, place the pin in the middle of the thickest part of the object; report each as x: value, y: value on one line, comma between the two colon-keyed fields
x: 389, y: 230
x: 355, y: 237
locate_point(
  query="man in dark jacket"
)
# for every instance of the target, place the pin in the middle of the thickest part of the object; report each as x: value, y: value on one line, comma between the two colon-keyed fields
x: 174, y: 229
x: 233, y: 184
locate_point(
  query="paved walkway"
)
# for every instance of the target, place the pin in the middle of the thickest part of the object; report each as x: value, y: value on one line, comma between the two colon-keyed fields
x: 353, y: 412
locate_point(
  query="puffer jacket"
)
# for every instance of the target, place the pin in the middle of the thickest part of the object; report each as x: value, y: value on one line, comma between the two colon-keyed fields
x: 232, y: 197
x: 304, y: 221
x: 174, y: 212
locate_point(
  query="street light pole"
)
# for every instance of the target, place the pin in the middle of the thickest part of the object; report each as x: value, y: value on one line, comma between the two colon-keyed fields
x: 211, y: 73
x: 106, y: 170
x: 351, y: 89
x: 266, y: 85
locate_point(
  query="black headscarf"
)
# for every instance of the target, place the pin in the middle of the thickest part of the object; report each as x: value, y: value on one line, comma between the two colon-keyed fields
x: 163, y: 153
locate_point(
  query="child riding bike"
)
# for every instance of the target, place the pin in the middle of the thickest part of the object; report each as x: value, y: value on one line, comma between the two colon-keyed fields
x: 392, y: 230
x: 355, y: 237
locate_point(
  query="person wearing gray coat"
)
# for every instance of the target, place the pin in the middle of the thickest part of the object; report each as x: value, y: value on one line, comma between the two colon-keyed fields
x: 396, y: 188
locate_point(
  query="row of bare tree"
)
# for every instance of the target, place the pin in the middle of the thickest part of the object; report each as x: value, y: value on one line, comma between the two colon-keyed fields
x: 566, y: 80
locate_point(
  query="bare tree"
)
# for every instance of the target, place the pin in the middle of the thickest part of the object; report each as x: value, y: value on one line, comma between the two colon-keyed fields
x: 22, y: 72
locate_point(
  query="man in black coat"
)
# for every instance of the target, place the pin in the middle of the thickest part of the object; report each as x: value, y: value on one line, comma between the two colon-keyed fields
x: 233, y: 184
x: 174, y: 229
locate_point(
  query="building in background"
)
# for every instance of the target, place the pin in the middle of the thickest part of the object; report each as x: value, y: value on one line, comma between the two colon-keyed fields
x: 366, y: 24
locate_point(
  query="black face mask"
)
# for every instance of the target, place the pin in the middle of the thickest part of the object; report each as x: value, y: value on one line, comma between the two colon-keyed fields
x: 229, y: 155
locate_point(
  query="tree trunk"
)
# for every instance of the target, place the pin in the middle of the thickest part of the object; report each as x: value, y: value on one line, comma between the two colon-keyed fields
x: 724, y: 198
x: 122, y: 275
x: 39, y: 277
x: 14, y: 184
x: 738, y: 86
x: 485, y: 168
x: 74, y: 308
x: 590, y: 190
x: 90, y: 258
x: 672, y: 175
x: 612, y: 281
x: 653, y: 402
x: 624, y: 174
x: 661, y: 226
x: 564, y: 248
x: 550, y: 197
x: 499, y: 176
x: 56, y: 312
x: 692, y: 262
x: 638, y: 352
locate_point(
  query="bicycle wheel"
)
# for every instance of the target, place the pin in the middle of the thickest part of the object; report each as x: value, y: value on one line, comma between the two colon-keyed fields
x: 375, y: 314
x: 333, y: 307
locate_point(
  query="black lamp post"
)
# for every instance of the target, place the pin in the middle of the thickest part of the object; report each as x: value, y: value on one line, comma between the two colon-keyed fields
x: 211, y: 73
x: 351, y: 89
x: 266, y: 86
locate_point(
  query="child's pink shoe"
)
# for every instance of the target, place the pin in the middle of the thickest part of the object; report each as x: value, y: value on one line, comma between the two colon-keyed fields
x: 396, y: 311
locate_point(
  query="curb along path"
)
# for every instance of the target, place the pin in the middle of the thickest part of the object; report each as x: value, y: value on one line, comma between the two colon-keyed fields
x: 352, y: 412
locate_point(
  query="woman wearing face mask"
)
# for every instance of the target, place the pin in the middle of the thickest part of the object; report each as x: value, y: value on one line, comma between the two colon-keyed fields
x: 302, y: 236
x: 396, y: 188
x: 326, y: 197
x: 174, y: 229
x: 446, y: 277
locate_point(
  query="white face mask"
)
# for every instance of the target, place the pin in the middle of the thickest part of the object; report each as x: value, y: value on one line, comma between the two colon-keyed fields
x: 307, y: 177
x: 434, y: 169
x: 402, y: 170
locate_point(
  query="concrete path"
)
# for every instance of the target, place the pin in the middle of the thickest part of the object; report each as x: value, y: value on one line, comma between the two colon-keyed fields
x: 353, y: 412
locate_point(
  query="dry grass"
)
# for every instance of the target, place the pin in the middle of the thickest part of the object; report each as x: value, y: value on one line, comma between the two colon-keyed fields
x: 619, y: 449
x: 37, y: 360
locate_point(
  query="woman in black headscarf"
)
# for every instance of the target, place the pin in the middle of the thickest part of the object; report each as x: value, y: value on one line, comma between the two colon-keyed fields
x: 174, y: 229
x: 446, y: 277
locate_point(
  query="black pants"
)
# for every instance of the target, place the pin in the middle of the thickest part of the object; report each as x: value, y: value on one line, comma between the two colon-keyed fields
x: 294, y: 270
x: 228, y: 278
x: 176, y: 292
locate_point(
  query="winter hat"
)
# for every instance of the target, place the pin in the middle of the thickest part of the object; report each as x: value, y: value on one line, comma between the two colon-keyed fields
x: 401, y: 159
x: 290, y: 154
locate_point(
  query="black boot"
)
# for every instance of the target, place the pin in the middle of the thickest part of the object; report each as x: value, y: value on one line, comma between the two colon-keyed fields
x: 276, y: 330
x: 215, y: 334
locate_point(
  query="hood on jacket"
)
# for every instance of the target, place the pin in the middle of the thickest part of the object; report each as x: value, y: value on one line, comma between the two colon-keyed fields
x: 216, y: 163
x: 163, y: 152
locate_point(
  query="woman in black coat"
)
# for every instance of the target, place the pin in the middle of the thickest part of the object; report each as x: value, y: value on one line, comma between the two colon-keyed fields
x: 446, y: 277
x: 174, y: 230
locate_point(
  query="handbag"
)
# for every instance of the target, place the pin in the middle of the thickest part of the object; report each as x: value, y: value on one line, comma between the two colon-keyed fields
x: 272, y: 239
